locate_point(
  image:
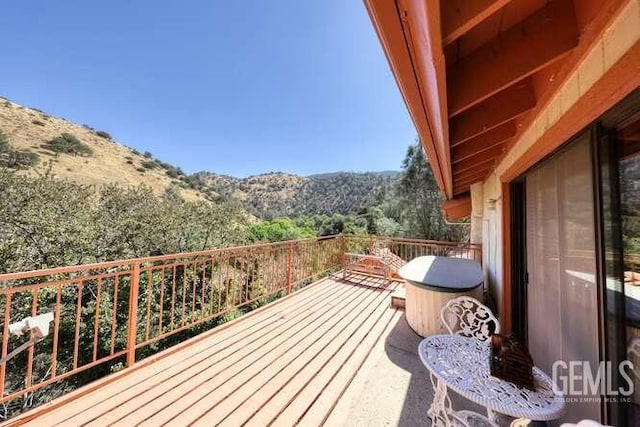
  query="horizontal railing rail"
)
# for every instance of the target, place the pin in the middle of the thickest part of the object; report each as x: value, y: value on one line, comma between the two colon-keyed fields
x: 407, y: 249
x: 107, y: 316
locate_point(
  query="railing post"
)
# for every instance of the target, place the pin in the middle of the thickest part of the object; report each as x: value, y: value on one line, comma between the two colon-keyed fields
x: 289, y: 266
x: 343, y: 249
x: 132, y: 321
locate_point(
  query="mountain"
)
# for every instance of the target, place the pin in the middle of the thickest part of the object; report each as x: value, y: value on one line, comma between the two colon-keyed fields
x: 36, y: 142
x: 88, y: 156
x: 280, y: 194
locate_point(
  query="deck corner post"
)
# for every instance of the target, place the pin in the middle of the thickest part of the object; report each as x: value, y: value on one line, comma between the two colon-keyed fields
x: 132, y: 319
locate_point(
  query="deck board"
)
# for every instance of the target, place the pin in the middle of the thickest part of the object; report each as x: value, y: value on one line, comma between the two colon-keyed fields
x: 290, y: 363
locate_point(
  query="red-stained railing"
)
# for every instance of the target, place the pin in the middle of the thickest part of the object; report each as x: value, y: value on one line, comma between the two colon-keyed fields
x: 404, y: 250
x: 109, y: 315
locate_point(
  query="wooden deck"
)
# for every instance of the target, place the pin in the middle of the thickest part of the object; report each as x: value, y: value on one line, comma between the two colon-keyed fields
x: 288, y: 363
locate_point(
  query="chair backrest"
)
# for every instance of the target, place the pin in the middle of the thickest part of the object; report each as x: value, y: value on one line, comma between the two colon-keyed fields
x: 468, y: 317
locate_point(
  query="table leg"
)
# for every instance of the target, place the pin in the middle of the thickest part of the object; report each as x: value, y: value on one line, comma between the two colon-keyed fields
x: 492, y: 416
x: 441, y: 405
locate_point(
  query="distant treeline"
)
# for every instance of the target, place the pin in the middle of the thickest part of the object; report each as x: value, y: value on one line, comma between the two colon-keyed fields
x: 46, y: 222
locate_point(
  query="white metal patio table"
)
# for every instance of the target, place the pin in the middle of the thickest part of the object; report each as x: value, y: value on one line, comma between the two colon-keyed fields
x: 462, y: 364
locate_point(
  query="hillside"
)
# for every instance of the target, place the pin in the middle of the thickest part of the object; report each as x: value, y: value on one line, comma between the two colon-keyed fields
x: 83, y: 155
x: 28, y: 130
x: 279, y: 194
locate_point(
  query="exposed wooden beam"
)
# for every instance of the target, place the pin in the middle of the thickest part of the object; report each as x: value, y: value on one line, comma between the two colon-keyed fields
x: 463, y: 186
x: 482, y: 142
x: 472, y: 175
x: 499, y: 109
x: 459, y: 16
x: 475, y: 163
x: 515, y: 54
x: 479, y: 158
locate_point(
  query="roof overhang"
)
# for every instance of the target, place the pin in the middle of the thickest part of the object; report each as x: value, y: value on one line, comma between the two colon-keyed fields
x: 410, y: 37
x: 475, y: 74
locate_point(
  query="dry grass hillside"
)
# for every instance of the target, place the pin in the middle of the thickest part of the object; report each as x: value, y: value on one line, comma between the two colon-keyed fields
x: 29, y: 130
x: 276, y: 194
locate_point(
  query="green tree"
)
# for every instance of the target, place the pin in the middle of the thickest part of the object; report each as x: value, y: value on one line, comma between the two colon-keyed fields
x: 419, y: 193
x: 68, y: 144
x: 280, y: 229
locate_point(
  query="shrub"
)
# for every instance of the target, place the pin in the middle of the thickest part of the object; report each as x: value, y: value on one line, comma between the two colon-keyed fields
x: 103, y: 134
x: 172, y: 173
x: 149, y: 164
x: 141, y: 169
x: 21, y: 159
x: 4, y: 142
x: 148, y: 155
x: 69, y: 144
x: 37, y: 122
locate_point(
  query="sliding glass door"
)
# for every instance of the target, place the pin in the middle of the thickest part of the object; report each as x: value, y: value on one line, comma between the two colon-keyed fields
x: 562, y: 292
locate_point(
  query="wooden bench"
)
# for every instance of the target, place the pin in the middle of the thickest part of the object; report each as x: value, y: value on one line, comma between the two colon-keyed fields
x: 361, y: 263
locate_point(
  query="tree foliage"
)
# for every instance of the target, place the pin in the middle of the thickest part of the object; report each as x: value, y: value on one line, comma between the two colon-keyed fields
x: 280, y: 229
x: 15, y: 159
x: 412, y: 208
x: 68, y: 144
x: 45, y: 222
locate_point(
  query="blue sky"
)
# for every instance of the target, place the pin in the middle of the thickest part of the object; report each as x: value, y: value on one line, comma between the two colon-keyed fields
x: 235, y: 87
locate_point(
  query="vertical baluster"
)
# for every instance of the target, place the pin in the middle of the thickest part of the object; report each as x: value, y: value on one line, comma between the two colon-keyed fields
x: 149, y: 296
x: 162, y: 283
x: 211, y: 289
x: 114, y: 314
x: 77, y: 332
x: 204, y: 287
x: 56, y: 332
x: 5, y: 339
x: 96, y: 321
x: 193, y: 292
x: 34, y: 312
x: 220, y: 286
x: 227, y: 282
x: 289, y: 266
x: 132, y: 324
x: 173, y: 295
x: 184, y: 292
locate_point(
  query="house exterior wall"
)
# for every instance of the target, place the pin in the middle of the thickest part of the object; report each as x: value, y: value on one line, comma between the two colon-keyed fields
x: 622, y: 35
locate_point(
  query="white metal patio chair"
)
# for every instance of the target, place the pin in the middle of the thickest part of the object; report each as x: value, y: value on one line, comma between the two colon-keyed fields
x: 468, y: 317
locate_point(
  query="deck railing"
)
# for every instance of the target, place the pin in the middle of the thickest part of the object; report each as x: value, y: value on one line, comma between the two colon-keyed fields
x: 108, y: 315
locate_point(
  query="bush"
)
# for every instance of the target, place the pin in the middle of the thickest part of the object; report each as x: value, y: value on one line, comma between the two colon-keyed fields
x: 21, y: 159
x: 149, y: 164
x: 4, y: 142
x: 148, y: 155
x: 141, y: 169
x: 69, y: 144
x: 103, y: 134
x: 37, y: 122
